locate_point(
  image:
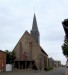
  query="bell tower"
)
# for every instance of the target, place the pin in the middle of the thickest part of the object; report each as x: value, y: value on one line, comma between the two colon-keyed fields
x: 35, y: 31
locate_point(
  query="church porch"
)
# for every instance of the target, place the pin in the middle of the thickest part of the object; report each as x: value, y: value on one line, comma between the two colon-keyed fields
x: 25, y: 65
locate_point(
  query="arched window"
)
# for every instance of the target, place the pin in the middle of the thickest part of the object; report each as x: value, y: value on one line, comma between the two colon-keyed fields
x: 30, y: 49
x: 21, y: 48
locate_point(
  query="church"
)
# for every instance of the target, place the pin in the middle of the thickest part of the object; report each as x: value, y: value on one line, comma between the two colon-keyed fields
x: 29, y: 53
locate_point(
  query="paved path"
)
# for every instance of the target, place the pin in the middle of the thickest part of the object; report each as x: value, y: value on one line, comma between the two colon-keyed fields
x: 57, y: 71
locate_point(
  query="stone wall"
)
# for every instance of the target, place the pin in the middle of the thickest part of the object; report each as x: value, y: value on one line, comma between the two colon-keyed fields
x: 34, y: 53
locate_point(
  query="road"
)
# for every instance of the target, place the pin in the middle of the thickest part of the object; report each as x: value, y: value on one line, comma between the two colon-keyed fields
x: 57, y: 71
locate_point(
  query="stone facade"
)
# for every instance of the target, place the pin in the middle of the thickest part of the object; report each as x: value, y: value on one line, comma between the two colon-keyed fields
x: 27, y: 49
x: 57, y: 63
x: 54, y: 63
x: 2, y: 61
x: 29, y: 53
x: 51, y: 62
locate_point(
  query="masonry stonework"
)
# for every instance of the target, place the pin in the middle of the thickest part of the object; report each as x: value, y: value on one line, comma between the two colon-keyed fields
x: 30, y: 53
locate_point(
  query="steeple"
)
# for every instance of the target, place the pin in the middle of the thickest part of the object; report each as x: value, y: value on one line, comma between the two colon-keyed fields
x: 34, y: 26
x: 35, y: 31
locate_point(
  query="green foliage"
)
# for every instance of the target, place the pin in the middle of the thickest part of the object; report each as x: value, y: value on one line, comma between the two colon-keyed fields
x: 48, y: 68
x: 10, y: 56
x: 65, y: 47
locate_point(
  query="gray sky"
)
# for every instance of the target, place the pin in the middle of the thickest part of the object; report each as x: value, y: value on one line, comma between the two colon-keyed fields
x: 16, y: 16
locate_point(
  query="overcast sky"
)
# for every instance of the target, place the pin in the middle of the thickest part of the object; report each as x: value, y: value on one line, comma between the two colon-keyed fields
x: 16, y: 16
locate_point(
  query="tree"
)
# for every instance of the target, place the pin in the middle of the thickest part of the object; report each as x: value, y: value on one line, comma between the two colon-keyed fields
x: 10, y: 56
x: 65, y: 47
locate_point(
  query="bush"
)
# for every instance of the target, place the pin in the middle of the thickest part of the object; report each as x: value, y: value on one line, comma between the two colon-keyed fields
x: 48, y: 68
x: 10, y: 56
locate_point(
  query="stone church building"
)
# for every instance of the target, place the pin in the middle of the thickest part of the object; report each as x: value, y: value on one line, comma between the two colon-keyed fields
x: 29, y: 53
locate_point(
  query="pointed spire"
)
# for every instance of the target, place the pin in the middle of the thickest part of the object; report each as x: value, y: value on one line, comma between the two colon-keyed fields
x: 34, y: 26
x: 35, y: 31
